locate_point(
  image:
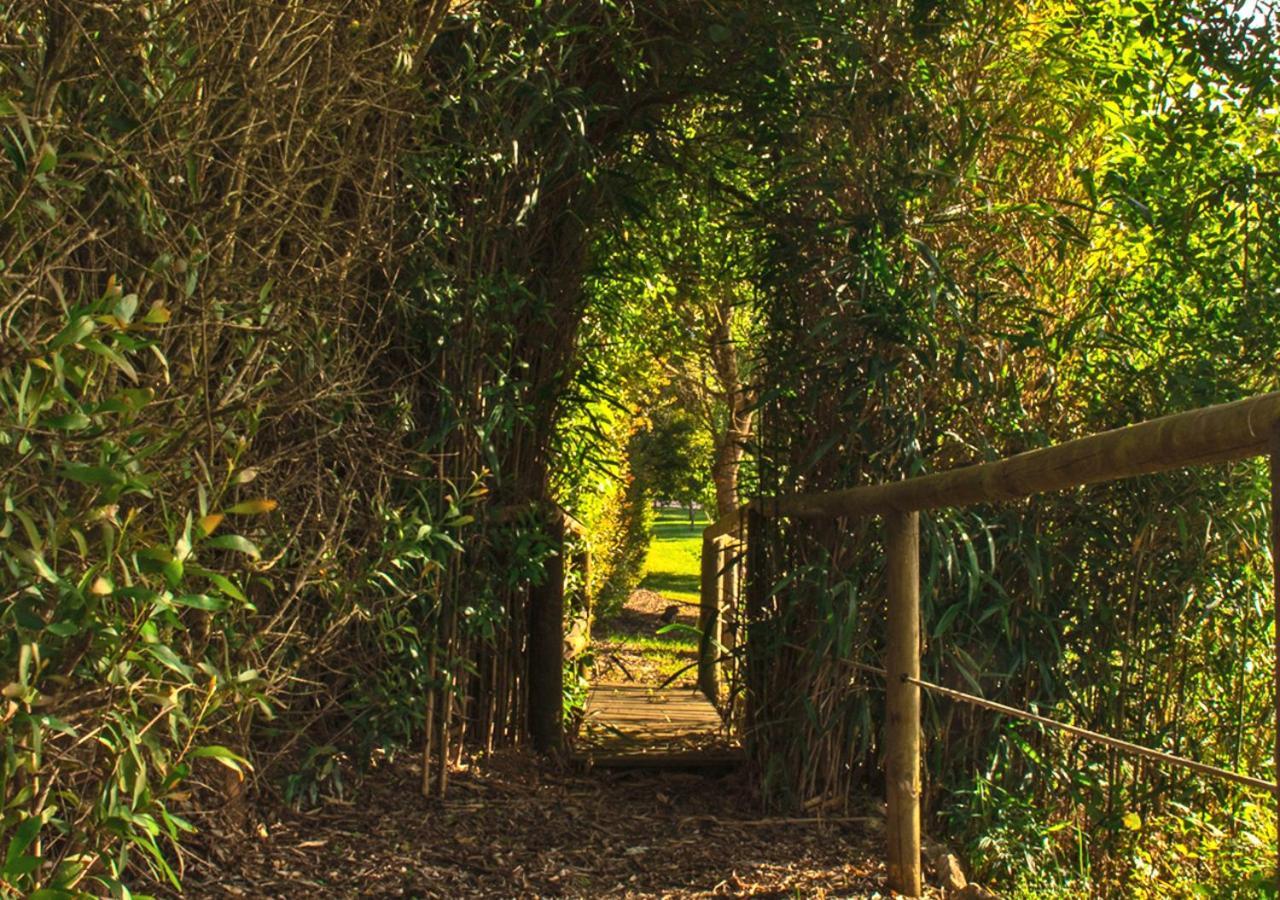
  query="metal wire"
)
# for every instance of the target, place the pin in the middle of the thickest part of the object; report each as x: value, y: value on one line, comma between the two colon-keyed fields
x: 1084, y: 733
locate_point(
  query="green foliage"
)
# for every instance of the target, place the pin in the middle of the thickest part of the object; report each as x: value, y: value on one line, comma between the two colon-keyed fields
x: 104, y: 606
x: 959, y: 272
x: 203, y: 554
x: 672, y: 457
x: 283, y: 345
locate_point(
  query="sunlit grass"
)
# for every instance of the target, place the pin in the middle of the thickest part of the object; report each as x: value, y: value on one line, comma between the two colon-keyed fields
x: 672, y: 568
x: 671, y: 643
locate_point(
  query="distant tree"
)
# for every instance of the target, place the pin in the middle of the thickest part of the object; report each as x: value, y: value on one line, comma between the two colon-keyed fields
x: 672, y: 457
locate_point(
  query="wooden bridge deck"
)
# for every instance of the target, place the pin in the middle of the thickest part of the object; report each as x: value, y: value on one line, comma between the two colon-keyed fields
x: 632, y: 725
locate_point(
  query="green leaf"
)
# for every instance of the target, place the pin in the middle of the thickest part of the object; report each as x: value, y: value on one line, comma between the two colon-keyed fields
x: 172, y: 571
x: 126, y: 307
x: 165, y: 655
x: 99, y: 475
x: 23, y: 837
x: 96, y: 346
x: 64, y: 628
x: 25, y: 615
x: 201, y: 601
x: 234, y: 542
x: 53, y: 723
x: 222, y: 583
x: 77, y: 330
x: 75, y: 421
x: 679, y: 627
x: 224, y: 755
x: 47, y: 160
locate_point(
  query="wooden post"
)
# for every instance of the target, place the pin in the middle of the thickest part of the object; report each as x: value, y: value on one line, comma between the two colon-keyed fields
x: 546, y: 648
x: 584, y: 568
x: 728, y: 593
x: 758, y: 579
x: 902, y: 702
x: 1274, y: 449
x: 709, y: 620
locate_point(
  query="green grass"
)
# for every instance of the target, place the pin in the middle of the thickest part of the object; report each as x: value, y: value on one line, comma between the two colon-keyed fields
x: 673, y: 569
x: 673, y: 643
x: 675, y: 550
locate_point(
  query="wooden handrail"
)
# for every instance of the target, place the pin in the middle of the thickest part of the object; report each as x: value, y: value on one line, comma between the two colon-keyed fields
x: 1214, y: 434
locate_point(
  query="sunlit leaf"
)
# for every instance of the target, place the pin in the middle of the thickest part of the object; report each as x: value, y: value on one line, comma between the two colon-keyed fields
x: 253, y: 507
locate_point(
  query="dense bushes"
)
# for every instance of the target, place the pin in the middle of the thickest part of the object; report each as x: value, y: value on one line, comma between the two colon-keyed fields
x: 291, y: 296
x: 1028, y: 233
x: 202, y: 416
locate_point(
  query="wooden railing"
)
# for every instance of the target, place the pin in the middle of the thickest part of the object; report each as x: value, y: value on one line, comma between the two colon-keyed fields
x: 1216, y: 434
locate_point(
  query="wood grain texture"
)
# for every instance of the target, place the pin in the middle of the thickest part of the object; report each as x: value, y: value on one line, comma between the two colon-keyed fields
x: 636, y: 725
x: 902, y: 702
x: 1214, y: 434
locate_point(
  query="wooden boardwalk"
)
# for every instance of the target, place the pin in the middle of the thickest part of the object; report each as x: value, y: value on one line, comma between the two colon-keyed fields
x: 632, y: 725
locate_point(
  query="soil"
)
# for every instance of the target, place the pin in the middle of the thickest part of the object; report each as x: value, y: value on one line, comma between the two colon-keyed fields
x: 517, y: 827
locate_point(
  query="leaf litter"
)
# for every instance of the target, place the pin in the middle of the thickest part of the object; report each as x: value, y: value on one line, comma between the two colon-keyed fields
x: 519, y: 827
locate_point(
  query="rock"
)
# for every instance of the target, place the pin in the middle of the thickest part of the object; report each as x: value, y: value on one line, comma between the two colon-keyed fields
x: 973, y: 892
x: 948, y: 872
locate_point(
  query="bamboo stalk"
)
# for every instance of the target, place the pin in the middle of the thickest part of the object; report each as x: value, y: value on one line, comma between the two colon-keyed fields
x: 709, y: 620
x: 546, y: 650
x: 428, y: 718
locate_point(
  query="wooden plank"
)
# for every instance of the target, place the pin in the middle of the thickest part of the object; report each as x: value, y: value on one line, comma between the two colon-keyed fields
x: 1214, y: 434
x: 680, y: 759
x: 635, y: 725
x: 726, y: 525
x: 902, y: 703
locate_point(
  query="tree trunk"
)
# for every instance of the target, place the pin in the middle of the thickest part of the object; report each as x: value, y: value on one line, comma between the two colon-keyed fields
x: 724, y: 473
x: 730, y: 441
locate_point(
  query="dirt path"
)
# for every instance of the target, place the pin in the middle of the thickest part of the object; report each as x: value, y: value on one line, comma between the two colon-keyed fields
x: 522, y: 829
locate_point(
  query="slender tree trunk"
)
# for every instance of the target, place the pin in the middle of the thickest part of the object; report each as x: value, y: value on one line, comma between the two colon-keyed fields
x: 730, y: 441
x: 724, y: 472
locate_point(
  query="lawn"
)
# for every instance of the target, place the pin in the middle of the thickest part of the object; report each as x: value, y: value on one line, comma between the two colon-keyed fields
x: 629, y: 645
x: 675, y: 553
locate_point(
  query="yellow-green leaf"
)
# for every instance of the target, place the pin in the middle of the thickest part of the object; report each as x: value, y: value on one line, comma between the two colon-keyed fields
x: 157, y: 314
x: 48, y: 159
x: 253, y: 507
x: 235, y: 542
x: 77, y: 330
x: 1132, y: 821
